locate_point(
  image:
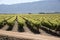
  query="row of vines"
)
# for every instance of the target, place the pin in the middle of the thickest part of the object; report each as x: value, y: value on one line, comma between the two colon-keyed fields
x: 51, y: 21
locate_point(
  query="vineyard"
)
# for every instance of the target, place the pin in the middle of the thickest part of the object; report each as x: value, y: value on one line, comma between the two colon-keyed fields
x: 31, y: 23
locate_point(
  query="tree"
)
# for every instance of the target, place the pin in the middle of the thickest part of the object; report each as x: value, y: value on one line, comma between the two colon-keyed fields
x: 29, y: 13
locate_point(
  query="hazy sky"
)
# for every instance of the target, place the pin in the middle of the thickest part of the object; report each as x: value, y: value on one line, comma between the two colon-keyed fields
x: 16, y: 1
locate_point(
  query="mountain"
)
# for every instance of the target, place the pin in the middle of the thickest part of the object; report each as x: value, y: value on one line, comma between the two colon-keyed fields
x: 32, y: 7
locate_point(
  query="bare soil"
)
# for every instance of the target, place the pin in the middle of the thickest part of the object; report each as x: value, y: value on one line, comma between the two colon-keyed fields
x: 27, y: 34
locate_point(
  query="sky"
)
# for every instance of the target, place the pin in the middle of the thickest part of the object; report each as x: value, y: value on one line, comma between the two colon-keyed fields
x: 16, y: 1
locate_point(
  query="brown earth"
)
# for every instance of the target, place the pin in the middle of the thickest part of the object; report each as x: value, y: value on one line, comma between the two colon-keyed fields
x: 14, y: 34
x: 27, y: 35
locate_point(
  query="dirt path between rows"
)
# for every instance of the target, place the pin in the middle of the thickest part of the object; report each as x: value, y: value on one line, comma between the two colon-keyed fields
x: 27, y: 29
x: 43, y: 33
x: 5, y: 27
x: 15, y: 27
x: 27, y: 35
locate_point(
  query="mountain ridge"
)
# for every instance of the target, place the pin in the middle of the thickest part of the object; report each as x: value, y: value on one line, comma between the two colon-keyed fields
x: 31, y: 7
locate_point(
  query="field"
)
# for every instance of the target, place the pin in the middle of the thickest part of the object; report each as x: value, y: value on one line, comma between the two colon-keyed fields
x: 31, y: 25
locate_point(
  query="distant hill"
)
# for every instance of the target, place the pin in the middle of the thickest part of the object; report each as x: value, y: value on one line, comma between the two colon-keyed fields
x: 32, y: 7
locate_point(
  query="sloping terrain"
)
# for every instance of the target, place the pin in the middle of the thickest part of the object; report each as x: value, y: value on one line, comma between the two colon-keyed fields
x: 33, y: 7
